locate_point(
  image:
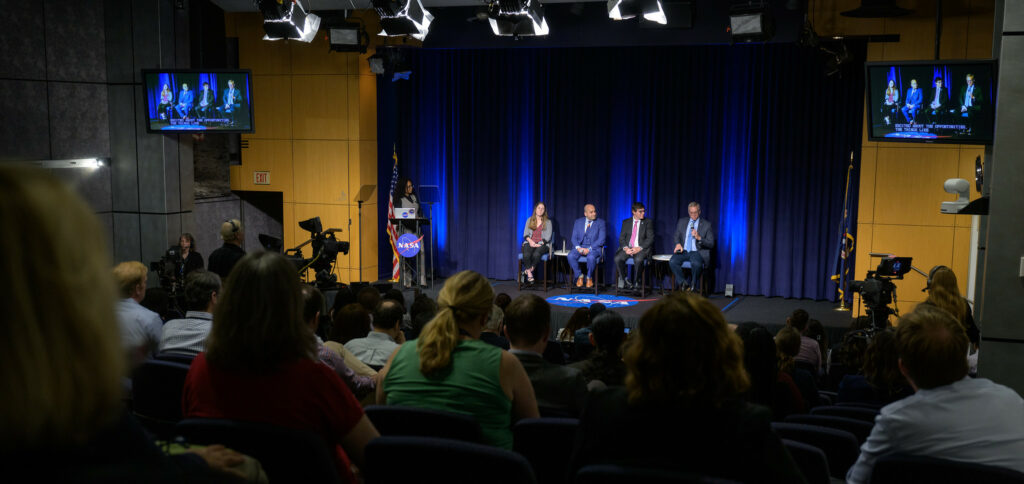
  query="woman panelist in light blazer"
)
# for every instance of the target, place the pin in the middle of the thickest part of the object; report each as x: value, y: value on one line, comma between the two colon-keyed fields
x: 536, y: 239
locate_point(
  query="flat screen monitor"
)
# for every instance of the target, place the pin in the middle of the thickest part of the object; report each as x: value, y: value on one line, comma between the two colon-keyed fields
x: 931, y: 101
x: 180, y: 100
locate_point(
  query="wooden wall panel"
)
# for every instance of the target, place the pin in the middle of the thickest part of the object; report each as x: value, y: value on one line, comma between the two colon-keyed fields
x: 961, y: 256
x: 866, y: 197
x: 262, y: 56
x: 929, y: 246
x: 319, y: 109
x: 354, y: 108
x: 908, y: 185
x: 263, y: 155
x: 318, y: 178
x: 316, y: 57
x: 272, y: 107
x: 367, y: 107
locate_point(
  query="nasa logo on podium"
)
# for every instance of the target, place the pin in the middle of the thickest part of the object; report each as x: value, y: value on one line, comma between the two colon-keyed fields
x: 408, y: 245
x: 585, y: 300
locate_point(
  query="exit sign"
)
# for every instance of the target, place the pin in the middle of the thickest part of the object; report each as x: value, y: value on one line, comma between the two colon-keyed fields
x: 261, y: 178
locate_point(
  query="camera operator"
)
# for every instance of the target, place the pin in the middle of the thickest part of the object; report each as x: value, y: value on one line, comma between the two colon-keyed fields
x: 224, y: 259
x: 188, y: 259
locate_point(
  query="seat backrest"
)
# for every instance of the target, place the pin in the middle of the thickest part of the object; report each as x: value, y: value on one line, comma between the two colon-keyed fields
x: 811, y: 461
x: 544, y: 442
x: 840, y: 446
x: 859, y: 413
x: 873, y: 406
x: 858, y: 428
x: 425, y: 422
x: 901, y: 468
x: 156, y: 395
x: 447, y: 460
x: 614, y: 474
x: 175, y: 357
x: 287, y: 455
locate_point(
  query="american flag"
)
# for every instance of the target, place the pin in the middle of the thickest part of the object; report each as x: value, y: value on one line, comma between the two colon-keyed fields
x: 392, y: 233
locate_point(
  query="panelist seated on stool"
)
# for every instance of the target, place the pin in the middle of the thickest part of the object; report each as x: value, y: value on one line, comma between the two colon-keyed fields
x: 588, y: 243
x: 694, y: 240
x: 635, y: 241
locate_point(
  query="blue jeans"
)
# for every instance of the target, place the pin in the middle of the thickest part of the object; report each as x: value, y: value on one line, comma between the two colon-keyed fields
x: 696, y: 266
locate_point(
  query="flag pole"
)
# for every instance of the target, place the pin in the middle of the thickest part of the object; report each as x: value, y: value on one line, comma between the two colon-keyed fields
x: 843, y: 255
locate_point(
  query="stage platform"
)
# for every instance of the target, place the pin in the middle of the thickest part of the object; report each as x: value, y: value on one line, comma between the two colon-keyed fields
x: 768, y: 311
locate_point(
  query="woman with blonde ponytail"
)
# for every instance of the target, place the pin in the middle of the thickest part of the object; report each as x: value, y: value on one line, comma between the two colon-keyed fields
x: 449, y: 368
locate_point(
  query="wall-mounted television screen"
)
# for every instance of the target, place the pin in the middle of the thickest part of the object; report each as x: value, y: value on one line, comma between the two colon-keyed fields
x: 198, y: 100
x: 931, y: 101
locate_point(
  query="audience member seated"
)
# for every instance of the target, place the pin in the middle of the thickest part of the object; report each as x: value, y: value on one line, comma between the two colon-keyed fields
x: 559, y: 389
x: 581, y: 338
x: 788, y: 342
x: 604, y: 366
x: 449, y: 368
x: 683, y: 387
x: 768, y: 386
x: 62, y: 415
x: 385, y: 338
x: 369, y: 298
x: 140, y: 328
x: 951, y: 416
x: 493, y: 329
x: 188, y: 336
x: 350, y: 322
x: 810, y: 352
x: 502, y: 300
x: 421, y: 312
x: 313, y: 303
x: 260, y: 364
x: 882, y: 381
x: 580, y: 319
x: 848, y: 357
x: 816, y: 331
x: 343, y: 297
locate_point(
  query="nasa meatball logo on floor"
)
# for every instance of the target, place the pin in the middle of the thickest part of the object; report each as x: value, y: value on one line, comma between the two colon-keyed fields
x: 585, y: 300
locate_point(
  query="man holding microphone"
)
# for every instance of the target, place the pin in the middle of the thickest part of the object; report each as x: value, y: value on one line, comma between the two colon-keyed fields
x: 694, y: 241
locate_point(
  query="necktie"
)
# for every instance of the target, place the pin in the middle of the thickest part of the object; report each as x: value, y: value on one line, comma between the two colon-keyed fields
x: 632, y: 238
x: 689, y: 238
x: 587, y: 229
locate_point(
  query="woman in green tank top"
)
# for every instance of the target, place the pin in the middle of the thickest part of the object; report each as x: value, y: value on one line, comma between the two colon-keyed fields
x: 449, y: 368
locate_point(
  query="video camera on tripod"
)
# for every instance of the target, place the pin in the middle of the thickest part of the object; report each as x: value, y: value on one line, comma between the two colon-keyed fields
x: 326, y: 248
x: 168, y: 269
x: 877, y: 289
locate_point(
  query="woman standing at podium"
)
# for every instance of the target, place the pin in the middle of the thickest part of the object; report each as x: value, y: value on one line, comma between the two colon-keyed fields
x: 405, y: 197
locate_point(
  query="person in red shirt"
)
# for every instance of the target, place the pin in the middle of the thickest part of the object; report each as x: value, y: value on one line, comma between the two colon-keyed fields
x: 260, y: 364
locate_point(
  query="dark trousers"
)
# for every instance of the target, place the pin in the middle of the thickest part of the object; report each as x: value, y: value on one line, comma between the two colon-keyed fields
x: 532, y: 255
x: 638, y: 260
x: 696, y: 266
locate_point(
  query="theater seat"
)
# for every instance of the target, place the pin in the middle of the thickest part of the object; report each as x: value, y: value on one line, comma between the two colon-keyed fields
x: 901, y: 469
x: 400, y: 459
x: 858, y: 428
x: 811, y: 461
x: 613, y: 474
x: 839, y: 446
x: 424, y: 422
x: 858, y: 413
x: 544, y: 442
x: 156, y: 395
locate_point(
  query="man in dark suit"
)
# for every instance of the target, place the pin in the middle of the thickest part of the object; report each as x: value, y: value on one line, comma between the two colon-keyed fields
x: 970, y: 99
x: 694, y: 240
x: 635, y: 240
x: 588, y: 243
x: 938, y: 100
x: 559, y: 389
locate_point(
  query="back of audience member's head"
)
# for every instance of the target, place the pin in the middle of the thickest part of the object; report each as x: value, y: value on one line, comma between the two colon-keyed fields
x: 881, y: 363
x: 395, y: 295
x: 312, y: 302
x: 369, y: 297
x: 422, y: 304
x: 580, y: 319
x: 944, y: 292
x: 609, y: 330
x: 932, y: 346
x: 788, y: 343
x: 684, y: 353
x: 258, y: 323
x: 128, y: 276
x: 465, y: 299
x: 502, y: 300
x: 350, y: 322
x: 596, y: 309
x: 799, y: 319
x: 200, y: 286
x: 527, y: 320
x: 761, y: 360
x: 388, y: 315
x: 342, y: 298
x: 495, y: 320
x: 816, y: 331
x: 63, y: 362
x: 418, y: 323
x: 850, y: 353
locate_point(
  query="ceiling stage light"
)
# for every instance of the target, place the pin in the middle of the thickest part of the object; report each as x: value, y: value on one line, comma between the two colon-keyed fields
x: 403, y: 17
x: 517, y: 17
x: 651, y: 10
x: 286, y: 19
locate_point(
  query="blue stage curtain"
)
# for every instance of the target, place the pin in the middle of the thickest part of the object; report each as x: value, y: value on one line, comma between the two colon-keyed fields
x: 757, y: 134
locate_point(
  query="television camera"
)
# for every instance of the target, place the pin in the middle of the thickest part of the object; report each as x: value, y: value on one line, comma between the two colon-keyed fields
x: 877, y: 289
x: 325, y: 246
x: 169, y: 270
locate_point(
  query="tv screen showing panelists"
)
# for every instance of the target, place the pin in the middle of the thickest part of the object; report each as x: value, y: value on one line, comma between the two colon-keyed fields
x: 193, y: 100
x: 931, y: 102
